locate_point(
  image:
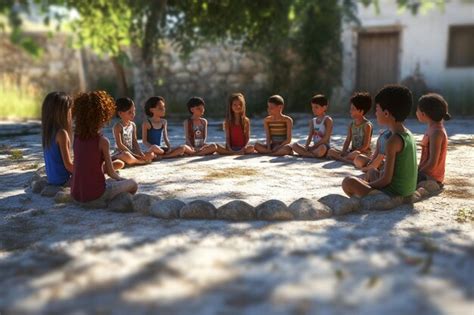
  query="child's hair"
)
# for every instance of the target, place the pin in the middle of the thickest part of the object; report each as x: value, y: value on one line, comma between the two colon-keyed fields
x: 319, y: 99
x: 276, y: 99
x: 362, y: 101
x: 194, y: 102
x: 229, y: 117
x: 434, y: 106
x: 54, y: 115
x: 123, y: 104
x: 152, y: 102
x: 396, y: 99
x: 91, y: 111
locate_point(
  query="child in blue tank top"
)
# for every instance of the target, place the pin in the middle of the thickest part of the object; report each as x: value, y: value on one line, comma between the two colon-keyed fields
x: 155, y: 130
x: 56, y: 125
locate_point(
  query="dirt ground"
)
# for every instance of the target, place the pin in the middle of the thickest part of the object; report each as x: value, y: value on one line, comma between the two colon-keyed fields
x: 60, y: 258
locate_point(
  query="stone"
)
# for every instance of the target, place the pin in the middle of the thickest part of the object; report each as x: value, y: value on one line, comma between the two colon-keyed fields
x: 339, y: 204
x: 223, y: 67
x: 236, y: 210
x: 166, y: 209
x: 123, y: 202
x: 51, y: 190
x: 192, y: 67
x: 38, y: 185
x: 142, y: 203
x: 273, y: 210
x: 63, y: 196
x: 198, y: 209
x: 430, y: 185
x: 380, y: 201
x: 306, y: 209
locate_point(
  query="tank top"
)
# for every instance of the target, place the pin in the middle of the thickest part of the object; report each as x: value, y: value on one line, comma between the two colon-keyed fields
x: 277, y: 131
x: 319, y: 129
x: 237, y: 137
x: 382, y: 140
x: 405, y: 169
x: 88, y: 180
x: 358, y: 133
x: 127, y: 135
x: 56, y: 173
x: 437, y: 172
x: 196, y: 134
x: 154, y: 134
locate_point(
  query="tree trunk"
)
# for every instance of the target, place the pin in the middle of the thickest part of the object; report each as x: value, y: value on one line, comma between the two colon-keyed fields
x: 121, y: 78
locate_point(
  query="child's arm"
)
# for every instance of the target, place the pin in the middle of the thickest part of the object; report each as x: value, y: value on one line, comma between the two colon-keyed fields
x: 205, y: 129
x: 165, y: 133
x: 328, y: 124
x: 310, y: 134
x: 104, y: 145
x: 394, y: 146
x: 367, y: 138
x: 186, y: 135
x: 227, y: 135
x: 136, y: 146
x: 64, y: 143
x: 145, y: 127
x: 289, y: 129
x: 247, y: 131
x: 374, y: 162
x: 436, y: 140
x: 348, y: 140
x: 267, y: 133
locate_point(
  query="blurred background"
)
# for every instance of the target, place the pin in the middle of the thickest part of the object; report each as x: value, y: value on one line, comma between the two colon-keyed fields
x: 178, y: 49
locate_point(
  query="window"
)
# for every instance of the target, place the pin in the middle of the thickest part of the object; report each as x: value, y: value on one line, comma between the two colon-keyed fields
x: 461, y: 46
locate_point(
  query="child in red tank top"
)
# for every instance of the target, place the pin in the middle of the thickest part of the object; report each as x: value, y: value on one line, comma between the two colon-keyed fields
x: 236, y: 127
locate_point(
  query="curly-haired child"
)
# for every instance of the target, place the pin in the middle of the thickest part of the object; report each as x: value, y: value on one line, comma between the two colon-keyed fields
x: 91, y: 111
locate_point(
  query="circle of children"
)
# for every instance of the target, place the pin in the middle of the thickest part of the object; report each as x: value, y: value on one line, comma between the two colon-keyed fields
x: 392, y: 168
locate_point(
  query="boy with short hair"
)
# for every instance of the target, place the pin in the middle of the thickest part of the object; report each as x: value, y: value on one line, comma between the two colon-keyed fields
x: 399, y: 174
x: 278, y: 128
x: 195, y: 128
x: 359, y: 133
x: 320, y: 130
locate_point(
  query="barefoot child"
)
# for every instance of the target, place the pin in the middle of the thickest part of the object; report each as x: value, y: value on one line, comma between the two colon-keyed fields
x: 91, y: 111
x: 359, y: 133
x: 154, y: 128
x: 398, y: 176
x: 433, y: 110
x: 56, y: 127
x: 195, y: 128
x: 278, y: 128
x: 320, y: 129
x: 237, y: 128
x: 375, y: 161
x: 125, y: 134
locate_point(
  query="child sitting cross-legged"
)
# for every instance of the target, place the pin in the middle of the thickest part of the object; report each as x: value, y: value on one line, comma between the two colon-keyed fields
x: 399, y: 173
x: 91, y: 111
x: 278, y: 128
x: 155, y: 128
x: 376, y: 160
x: 359, y: 133
x: 320, y: 129
x: 195, y: 128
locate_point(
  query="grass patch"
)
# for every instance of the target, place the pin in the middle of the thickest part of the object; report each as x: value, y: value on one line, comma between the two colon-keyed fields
x: 16, y: 155
x: 230, y: 172
x: 18, y: 99
x: 464, y: 215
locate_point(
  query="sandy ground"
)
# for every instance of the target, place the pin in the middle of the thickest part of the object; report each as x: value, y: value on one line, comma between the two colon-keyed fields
x: 415, y: 259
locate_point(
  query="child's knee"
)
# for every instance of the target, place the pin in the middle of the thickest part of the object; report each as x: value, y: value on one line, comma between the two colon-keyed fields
x: 359, y: 161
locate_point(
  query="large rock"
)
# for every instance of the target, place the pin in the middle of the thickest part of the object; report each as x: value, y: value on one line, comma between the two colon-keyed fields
x: 380, y: 201
x: 123, y: 202
x: 273, y: 210
x: 38, y: 185
x: 166, y: 209
x: 340, y: 204
x: 430, y: 185
x: 198, y: 209
x: 51, y: 190
x: 142, y: 203
x: 63, y: 196
x: 306, y: 209
x: 236, y: 210
x: 40, y: 173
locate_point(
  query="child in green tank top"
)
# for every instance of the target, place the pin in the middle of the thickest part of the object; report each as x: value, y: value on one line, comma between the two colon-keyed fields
x: 399, y: 174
